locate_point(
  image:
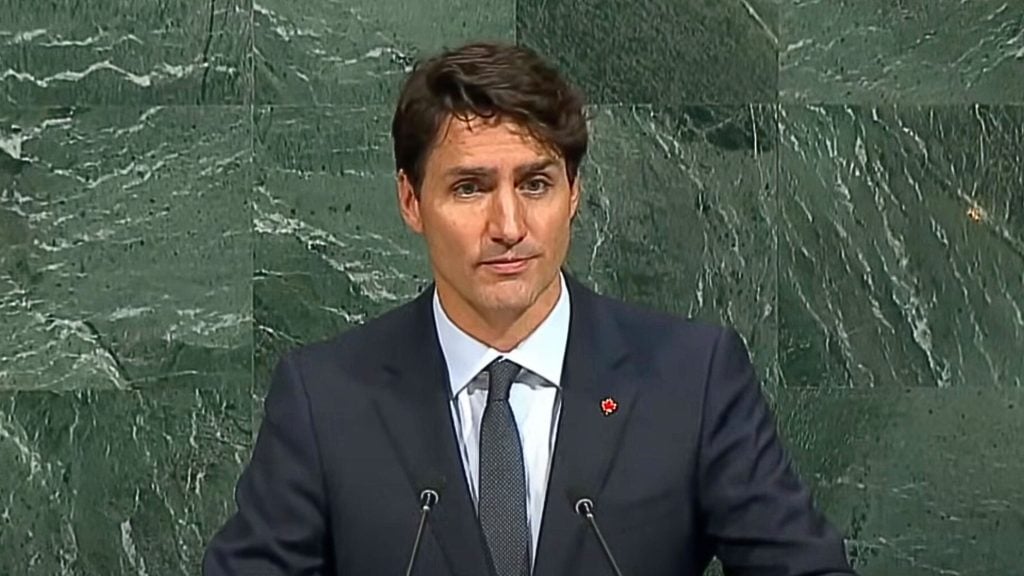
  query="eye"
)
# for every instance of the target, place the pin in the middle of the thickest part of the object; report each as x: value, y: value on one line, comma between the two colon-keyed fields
x: 537, y: 186
x: 466, y: 188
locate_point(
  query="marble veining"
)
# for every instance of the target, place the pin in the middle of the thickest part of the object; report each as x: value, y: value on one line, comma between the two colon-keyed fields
x: 65, y: 53
x: 902, y: 246
x: 189, y: 188
x: 118, y: 482
x: 922, y: 481
x: 921, y: 52
x: 656, y: 52
x: 356, y: 53
x: 126, y: 244
x: 678, y: 214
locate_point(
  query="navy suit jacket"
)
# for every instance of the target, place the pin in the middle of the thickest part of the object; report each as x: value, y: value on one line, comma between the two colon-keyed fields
x: 689, y: 466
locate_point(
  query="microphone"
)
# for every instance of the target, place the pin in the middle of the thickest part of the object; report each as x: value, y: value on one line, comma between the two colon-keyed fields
x: 584, y: 506
x: 429, y: 497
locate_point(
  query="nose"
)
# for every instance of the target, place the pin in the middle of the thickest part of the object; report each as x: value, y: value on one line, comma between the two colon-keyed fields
x: 507, y: 224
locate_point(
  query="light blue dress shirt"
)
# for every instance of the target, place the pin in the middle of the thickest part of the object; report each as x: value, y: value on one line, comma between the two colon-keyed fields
x: 534, y: 397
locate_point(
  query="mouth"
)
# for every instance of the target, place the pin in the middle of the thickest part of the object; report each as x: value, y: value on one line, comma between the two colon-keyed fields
x: 507, y: 265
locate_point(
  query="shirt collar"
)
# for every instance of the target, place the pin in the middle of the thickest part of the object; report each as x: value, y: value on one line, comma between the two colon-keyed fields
x: 542, y: 352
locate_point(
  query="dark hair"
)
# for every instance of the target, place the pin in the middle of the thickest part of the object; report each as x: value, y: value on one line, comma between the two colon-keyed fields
x: 487, y: 80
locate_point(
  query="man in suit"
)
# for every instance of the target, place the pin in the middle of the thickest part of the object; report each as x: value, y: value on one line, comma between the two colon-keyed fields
x: 512, y: 390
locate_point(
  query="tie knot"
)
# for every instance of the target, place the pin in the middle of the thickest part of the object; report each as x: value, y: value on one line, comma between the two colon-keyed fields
x: 501, y: 373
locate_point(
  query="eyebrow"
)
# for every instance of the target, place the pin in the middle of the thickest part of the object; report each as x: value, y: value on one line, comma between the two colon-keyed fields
x: 481, y: 171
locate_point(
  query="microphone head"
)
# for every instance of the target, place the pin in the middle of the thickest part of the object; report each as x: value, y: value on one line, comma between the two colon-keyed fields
x: 581, y: 503
x: 584, y: 507
x: 430, y: 492
x: 429, y: 497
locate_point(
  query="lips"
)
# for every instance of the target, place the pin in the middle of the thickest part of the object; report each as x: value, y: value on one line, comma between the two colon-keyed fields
x: 507, y: 266
x: 506, y: 261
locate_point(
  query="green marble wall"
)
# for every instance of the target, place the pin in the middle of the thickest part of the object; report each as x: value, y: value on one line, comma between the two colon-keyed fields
x: 189, y: 188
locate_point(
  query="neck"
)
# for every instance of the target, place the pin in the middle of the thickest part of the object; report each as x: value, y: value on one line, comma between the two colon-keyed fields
x: 503, y: 330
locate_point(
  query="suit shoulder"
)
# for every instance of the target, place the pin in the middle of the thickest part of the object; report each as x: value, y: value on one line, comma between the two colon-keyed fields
x: 667, y: 346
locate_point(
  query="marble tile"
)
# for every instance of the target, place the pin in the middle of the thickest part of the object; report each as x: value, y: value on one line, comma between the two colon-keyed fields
x: 679, y: 214
x: 331, y: 250
x: 901, y: 244
x: 357, y: 52
x: 921, y: 481
x: 125, y: 246
x: 66, y: 52
x: 911, y: 51
x: 657, y: 52
x: 119, y: 482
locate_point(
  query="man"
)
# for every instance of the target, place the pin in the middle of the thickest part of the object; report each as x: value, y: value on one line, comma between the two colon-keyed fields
x: 512, y: 390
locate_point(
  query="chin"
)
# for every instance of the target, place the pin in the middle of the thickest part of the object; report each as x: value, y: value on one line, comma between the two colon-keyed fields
x: 510, y: 296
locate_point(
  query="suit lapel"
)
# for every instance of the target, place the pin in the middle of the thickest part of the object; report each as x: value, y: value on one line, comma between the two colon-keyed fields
x: 588, y: 440
x: 414, y: 409
x: 413, y: 405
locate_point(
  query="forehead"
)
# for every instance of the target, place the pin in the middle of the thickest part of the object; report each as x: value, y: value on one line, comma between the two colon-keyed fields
x: 485, y: 141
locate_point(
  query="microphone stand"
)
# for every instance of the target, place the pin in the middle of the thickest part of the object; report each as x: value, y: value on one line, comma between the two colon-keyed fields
x: 585, y: 507
x: 428, y: 498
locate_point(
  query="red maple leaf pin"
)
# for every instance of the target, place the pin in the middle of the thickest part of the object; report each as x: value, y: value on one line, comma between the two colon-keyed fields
x: 609, y: 406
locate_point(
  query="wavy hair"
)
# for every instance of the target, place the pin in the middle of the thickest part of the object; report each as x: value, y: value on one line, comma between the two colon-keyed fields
x: 487, y: 80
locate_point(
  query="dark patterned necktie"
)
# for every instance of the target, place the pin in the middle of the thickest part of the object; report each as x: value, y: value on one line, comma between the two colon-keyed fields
x: 502, y: 502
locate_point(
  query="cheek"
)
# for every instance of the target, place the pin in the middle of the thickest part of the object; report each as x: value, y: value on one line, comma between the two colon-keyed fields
x: 557, y: 230
x: 452, y: 236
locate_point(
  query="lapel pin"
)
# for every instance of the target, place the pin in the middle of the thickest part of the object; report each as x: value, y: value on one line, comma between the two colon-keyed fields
x: 609, y: 406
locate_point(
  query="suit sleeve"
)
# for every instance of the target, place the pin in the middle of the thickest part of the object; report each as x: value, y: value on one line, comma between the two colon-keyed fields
x: 280, y: 526
x: 757, y: 513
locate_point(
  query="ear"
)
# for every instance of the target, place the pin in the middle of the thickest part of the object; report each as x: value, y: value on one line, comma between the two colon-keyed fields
x: 574, y: 197
x: 408, y: 203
